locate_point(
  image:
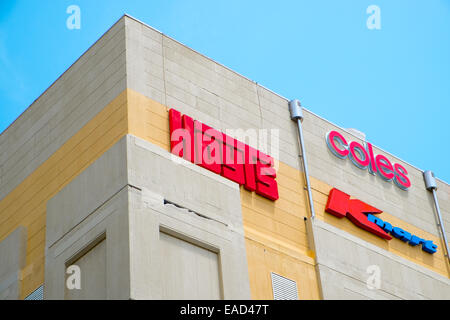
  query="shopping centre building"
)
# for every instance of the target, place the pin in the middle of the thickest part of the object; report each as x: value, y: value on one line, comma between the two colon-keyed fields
x: 149, y: 171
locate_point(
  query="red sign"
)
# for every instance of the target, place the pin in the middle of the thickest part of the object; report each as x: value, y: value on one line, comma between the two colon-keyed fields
x: 221, y: 154
x: 340, y: 205
x: 364, y: 158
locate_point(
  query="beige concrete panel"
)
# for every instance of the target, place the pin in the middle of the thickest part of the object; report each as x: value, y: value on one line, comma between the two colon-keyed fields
x: 339, y: 286
x: 184, y: 90
x: 185, y: 184
x: 92, y: 187
x: 12, y: 251
x: 190, y: 55
x: 107, y: 224
x: 149, y: 217
x: 343, y: 262
x: 12, y: 261
x: 190, y: 203
x: 92, y: 275
x: 99, y: 246
x: 10, y: 287
x: 144, y: 59
x: 190, y: 271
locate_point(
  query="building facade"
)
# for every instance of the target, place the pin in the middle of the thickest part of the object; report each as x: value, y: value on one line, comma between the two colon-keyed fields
x: 91, y: 185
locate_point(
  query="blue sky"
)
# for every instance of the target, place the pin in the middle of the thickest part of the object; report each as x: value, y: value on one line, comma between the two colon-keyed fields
x: 393, y: 83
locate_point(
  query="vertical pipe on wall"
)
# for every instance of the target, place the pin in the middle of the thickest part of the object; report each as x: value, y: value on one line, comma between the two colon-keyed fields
x: 430, y: 183
x: 295, y: 109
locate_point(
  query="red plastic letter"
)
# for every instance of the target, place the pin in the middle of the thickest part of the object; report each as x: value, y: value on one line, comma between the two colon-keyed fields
x: 401, y: 180
x: 174, y: 126
x: 385, y: 169
x: 233, y: 160
x: 266, y: 185
x: 331, y: 136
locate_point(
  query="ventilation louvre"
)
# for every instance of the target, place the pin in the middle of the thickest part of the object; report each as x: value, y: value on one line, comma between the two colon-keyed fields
x: 283, y: 288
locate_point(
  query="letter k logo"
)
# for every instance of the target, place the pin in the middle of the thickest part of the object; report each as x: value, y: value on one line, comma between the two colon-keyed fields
x: 340, y: 205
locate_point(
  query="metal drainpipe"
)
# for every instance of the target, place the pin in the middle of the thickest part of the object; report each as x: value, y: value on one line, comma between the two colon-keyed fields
x: 430, y: 183
x: 296, y: 111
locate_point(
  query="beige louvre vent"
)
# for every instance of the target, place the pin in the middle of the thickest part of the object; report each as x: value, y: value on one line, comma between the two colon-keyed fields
x: 283, y: 288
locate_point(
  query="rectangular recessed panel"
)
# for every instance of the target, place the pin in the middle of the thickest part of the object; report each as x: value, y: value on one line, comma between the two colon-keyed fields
x: 190, y: 271
x: 283, y: 288
x: 90, y: 273
x: 37, y: 294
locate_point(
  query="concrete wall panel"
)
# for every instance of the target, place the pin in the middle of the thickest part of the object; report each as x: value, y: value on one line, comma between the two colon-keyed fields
x: 190, y: 271
x: 343, y: 262
x: 182, y: 200
x: 93, y: 275
x: 12, y: 261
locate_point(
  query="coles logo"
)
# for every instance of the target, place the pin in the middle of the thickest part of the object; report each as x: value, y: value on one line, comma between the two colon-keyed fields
x: 361, y: 214
x: 213, y: 150
x: 363, y: 157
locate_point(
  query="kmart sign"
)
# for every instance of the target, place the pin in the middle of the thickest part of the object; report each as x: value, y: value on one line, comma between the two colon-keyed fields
x: 363, y: 216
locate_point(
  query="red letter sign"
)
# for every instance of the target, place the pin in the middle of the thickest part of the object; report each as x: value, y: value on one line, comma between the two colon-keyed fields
x: 215, y: 151
x: 340, y: 205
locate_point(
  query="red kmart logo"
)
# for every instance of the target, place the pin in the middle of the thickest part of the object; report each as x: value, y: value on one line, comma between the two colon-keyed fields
x: 213, y: 150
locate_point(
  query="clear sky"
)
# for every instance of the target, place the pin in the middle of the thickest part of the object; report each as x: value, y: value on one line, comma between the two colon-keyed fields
x: 391, y: 83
